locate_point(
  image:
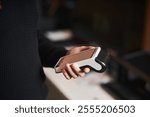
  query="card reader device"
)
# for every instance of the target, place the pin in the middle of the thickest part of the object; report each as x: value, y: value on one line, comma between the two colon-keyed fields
x: 93, y: 58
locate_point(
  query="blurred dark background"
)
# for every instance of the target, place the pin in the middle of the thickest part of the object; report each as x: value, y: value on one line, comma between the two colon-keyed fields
x: 120, y: 26
x: 117, y: 23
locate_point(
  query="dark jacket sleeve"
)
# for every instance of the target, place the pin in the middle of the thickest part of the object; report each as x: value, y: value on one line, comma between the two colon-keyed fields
x: 49, y: 54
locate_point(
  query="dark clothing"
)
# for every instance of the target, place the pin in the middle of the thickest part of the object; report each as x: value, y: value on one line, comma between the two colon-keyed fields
x: 22, y: 53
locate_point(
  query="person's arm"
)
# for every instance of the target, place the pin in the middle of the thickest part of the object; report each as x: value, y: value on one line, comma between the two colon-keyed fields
x: 49, y: 54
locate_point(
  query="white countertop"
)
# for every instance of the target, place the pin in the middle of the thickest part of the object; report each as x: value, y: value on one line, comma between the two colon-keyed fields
x: 86, y: 88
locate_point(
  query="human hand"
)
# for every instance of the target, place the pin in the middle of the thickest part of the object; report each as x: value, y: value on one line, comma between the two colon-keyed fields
x: 73, y: 70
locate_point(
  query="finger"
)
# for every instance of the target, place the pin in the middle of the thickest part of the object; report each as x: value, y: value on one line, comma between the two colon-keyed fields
x: 66, y: 75
x: 86, y: 70
x: 70, y: 71
x: 91, y: 47
x: 77, y: 70
x: 82, y: 48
